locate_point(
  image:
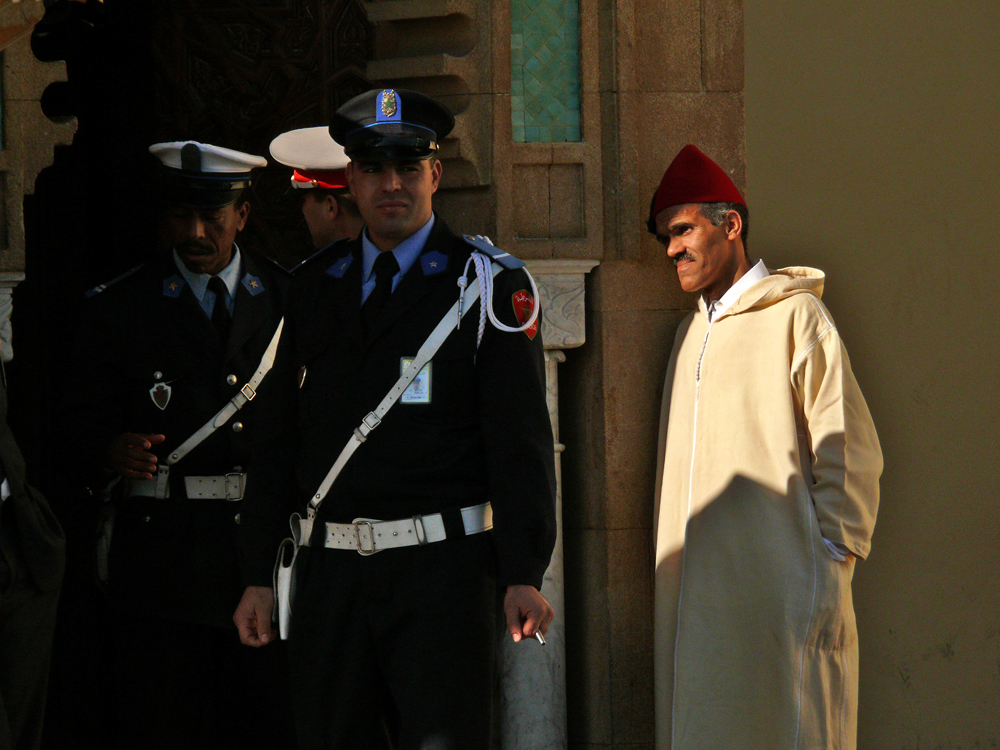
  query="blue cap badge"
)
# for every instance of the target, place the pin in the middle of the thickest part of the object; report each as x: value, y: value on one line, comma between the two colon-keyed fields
x: 253, y: 284
x: 173, y: 286
x: 387, y: 107
x: 338, y: 269
x: 433, y: 262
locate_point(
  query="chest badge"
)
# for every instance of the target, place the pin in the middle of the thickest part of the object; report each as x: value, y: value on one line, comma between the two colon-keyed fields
x: 160, y: 393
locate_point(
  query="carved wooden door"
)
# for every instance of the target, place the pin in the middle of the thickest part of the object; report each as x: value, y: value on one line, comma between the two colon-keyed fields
x: 237, y: 73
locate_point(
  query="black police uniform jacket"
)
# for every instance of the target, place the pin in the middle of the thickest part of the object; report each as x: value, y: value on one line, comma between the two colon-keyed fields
x: 484, y: 435
x: 174, y: 557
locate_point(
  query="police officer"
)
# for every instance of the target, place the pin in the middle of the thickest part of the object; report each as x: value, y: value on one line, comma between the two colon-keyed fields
x: 319, y: 177
x: 411, y: 627
x: 163, y: 352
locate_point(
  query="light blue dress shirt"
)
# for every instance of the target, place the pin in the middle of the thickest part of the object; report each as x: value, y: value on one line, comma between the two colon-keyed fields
x: 406, y: 253
x: 198, y: 282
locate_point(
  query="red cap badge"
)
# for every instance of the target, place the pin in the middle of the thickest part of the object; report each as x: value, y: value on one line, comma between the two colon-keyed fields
x: 693, y: 178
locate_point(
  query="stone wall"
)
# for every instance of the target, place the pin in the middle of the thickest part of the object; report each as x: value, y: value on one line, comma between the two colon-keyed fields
x: 670, y: 73
x: 28, y: 136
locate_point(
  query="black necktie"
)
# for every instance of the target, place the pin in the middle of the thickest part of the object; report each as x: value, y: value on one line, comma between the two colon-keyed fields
x: 220, y: 313
x: 384, y: 269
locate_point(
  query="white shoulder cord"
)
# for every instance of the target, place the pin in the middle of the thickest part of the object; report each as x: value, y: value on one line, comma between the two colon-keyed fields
x: 486, y: 296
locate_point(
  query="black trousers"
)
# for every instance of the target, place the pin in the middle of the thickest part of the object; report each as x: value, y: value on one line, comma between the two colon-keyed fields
x: 190, y: 686
x: 27, y: 621
x: 395, y: 649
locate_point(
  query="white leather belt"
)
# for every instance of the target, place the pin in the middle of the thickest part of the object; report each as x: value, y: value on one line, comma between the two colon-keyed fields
x: 369, y: 535
x: 223, y: 487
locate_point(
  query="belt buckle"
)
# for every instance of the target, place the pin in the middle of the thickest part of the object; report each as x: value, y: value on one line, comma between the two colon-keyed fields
x: 234, y: 480
x: 371, y: 536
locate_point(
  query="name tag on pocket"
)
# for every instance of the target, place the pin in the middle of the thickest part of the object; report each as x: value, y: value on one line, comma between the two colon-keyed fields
x: 419, y: 391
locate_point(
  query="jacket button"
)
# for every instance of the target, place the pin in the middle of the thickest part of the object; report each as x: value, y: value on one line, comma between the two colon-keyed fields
x: 236, y: 519
x: 237, y: 427
x: 146, y: 519
x: 231, y: 380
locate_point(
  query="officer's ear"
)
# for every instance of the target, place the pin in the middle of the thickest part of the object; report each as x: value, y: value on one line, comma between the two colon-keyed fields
x: 242, y: 213
x: 436, y: 170
x: 331, y: 205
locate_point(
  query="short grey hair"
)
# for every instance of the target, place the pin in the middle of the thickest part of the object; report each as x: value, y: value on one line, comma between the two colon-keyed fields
x: 717, y: 213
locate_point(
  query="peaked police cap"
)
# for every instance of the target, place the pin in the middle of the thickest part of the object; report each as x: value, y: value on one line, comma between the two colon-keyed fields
x: 391, y: 125
x: 202, y: 175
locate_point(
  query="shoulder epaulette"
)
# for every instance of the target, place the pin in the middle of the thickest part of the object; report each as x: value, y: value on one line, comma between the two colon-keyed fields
x: 327, y: 252
x: 107, y: 284
x: 483, y: 245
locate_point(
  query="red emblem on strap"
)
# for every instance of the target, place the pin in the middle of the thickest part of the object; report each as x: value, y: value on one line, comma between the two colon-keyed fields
x: 524, y: 305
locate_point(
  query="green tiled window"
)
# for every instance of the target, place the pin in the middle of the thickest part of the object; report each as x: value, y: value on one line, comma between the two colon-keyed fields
x: 545, y: 70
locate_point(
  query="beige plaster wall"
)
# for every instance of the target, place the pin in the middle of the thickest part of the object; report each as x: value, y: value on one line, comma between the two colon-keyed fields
x: 873, y: 152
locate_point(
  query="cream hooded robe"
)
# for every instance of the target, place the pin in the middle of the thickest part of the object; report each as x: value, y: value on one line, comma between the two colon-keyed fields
x: 766, y: 447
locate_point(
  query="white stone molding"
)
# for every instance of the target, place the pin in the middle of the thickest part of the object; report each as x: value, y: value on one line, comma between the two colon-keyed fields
x: 560, y: 286
x: 8, y: 281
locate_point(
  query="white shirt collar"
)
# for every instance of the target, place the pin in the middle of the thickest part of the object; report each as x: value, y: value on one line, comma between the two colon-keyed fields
x: 198, y: 282
x: 747, y: 280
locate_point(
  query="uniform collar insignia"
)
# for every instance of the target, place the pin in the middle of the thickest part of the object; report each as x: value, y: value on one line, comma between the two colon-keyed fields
x: 339, y: 268
x: 434, y: 262
x: 173, y: 286
x: 252, y: 284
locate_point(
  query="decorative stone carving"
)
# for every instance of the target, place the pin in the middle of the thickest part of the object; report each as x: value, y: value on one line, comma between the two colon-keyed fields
x: 7, y: 283
x: 560, y: 286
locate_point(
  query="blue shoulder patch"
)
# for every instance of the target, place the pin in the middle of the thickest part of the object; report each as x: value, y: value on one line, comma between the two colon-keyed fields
x: 253, y: 285
x: 433, y: 262
x: 173, y: 286
x: 101, y: 287
x: 339, y: 268
x: 483, y: 245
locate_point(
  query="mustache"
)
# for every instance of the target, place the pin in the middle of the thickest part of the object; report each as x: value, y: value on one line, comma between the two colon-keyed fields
x: 682, y: 256
x: 195, y: 247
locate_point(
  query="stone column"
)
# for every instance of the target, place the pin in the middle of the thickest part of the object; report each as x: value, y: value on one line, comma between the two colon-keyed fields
x: 533, y: 700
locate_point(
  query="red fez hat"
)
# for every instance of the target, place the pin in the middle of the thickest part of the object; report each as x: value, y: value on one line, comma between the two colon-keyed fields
x: 693, y: 178
x: 325, y: 179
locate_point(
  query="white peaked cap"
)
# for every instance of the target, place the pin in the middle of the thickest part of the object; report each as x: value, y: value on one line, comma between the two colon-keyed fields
x: 214, y: 159
x: 309, y: 148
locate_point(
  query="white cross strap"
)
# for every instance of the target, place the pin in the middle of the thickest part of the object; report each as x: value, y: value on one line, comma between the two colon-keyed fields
x: 374, y: 418
x: 237, y: 402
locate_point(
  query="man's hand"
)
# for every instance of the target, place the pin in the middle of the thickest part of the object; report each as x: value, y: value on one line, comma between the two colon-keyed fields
x: 253, y: 616
x: 128, y: 455
x: 527, y: 611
